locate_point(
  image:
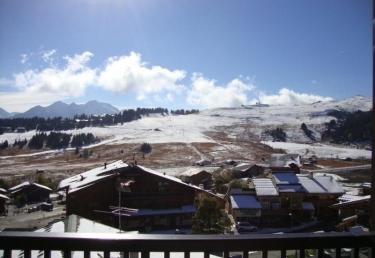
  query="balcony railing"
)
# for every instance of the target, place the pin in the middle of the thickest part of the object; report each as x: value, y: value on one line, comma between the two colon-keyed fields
x: 223, y: 245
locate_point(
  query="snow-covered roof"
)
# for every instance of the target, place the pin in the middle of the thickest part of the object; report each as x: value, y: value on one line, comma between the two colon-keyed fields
x: 329, y: 184
x: 351, y: 197
x: 265, y: 187
x: 2, y: 190
x: 285, y: 178
x: 310, y: 185
x: 320, y: 184
x: 244, y: 202
x: 26, y: 184
x: 2, y: 196
x: 284, y: 160
x: 177, y: 180
x: 89, y: 177
x: 296, y: 188
x: 243, y: 166
x: 350, y: 200
x: 151, y: 212
x: 19, y: 186
x: 193, y: 171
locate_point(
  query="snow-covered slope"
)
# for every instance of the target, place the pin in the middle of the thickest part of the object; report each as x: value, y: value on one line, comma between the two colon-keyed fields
x: 236, y: 122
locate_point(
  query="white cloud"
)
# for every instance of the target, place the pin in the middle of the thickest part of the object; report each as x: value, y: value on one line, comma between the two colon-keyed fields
x: 24, y: 58
x: 48, y: 56
x: 206, y: 93
x: 129, y: 73
x: 21, y: 101
x: 71, y: 80
x: 290, y: 97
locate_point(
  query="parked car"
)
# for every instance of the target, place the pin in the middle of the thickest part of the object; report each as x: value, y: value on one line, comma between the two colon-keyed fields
x: 243, y: 227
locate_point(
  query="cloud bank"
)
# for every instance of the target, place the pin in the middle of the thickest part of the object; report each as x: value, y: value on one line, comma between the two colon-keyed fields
x: 128, y: 74
x: 206, y: 93
x: 290, y: 97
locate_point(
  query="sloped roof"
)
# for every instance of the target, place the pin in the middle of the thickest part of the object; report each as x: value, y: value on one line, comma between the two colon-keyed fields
x: 244, y: 202
x: 284, y: 160
x: 92, y: 176
x: 285, y: 178
x: 347, y: 200
x: 320, y: 184
x: 243, y: 166
x: 193, y: 171
x: 2, y: 196
x: 296, y: 188
x: 329, y: 184
x: 2, y: 190
x: 27, y: 184
x: 310, y: 185
x: 265, y: 187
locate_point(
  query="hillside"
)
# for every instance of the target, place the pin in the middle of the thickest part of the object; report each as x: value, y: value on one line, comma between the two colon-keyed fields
x: 61, y: 109
x: 246, y: 124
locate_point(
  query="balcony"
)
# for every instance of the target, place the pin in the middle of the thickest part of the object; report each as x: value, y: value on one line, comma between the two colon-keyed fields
x: 302, y: 244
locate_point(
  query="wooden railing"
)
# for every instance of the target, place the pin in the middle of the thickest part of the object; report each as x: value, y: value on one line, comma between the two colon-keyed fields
x: 223, y: 245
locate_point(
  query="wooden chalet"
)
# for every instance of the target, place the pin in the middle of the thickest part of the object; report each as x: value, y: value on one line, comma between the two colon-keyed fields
x: 244, y: 170
x: 285, y: 162
x: 350, y: 205
x: 27, y: 192
x: 197, y: 176
x: 132, y: 197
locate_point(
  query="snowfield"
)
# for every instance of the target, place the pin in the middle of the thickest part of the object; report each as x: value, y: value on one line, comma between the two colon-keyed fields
x: 320, y: 150
x: 248, y: 122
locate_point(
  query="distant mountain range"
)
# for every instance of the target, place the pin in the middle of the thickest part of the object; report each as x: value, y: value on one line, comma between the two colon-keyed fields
x: 61, y: 109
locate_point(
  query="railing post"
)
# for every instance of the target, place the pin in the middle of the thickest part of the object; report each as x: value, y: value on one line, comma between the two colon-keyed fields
x: 283, y: 253
x: 302, y: 253
x: 47, y: 253
x: 264, y: 254
x: 245, y: 254
x: 145, y: 254
x: 67, y: 253
x: 320, y: 253
x: 86, y: 254
x: 226, y: 254
x: 27, y: 253
x: 106, y: 254
x: 338, y: 252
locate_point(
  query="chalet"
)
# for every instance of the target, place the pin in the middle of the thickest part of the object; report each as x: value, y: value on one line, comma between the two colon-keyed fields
x: 132, y: 197
x: 285, y: 162
x: 286, y: 196
x: 245, y: 207
x: 197, y: 176
x: 244, y: 170
x: 29, y: 193
x: 3, y: 200
x: 350, y: 205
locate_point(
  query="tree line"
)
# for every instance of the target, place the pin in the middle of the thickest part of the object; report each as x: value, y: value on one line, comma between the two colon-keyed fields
x: 356, y: 127
x: 53, y: 140
x: 83, y: 120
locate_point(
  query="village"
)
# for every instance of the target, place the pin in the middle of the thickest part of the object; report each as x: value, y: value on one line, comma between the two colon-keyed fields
x: 276, y: 195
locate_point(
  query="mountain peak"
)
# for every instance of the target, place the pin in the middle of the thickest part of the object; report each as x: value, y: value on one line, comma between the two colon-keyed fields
x: 61, y: 109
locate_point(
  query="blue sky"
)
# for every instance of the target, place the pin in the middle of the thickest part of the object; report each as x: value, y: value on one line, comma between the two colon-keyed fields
x: 183, y: 54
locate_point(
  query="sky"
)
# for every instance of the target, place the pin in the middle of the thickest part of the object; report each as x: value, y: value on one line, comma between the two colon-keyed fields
x: 183, y: 54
